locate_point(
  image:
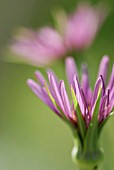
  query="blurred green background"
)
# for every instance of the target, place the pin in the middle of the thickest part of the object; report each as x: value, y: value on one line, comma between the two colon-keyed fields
x: 31, y: 135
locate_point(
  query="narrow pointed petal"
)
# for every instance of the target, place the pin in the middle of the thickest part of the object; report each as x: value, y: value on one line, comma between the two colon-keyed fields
x: 49, y: 71
x: 103, y: 67
x: 85, y: 81
x: 41, y: 93
x: 79, y: 95
x: 81, y: 123
x: 85, y: 84
x: 56, y: 92
x: 99, y: 84
x: 50, y: 103
x: 65, y: 99
x: 102, y: 107
x: 36, y: 89
x: 40, y: 77
x: 111, y: 82
x: 111, y: 99
x: 87, y: 115
x: 71, y: 69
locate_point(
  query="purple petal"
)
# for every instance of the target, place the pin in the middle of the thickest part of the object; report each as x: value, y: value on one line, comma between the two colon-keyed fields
x: 87, y: 116
x: 42, y: 94
x: 79, y: 95
x: 56, y: 93
x: 89, y: 96
x: 111, y: 82
x: 98, y: 84
x: 102, y: 108
x: 49, y: 71
x: 85, y: 80
x: 49, y: 102
x: 65, y: 99
x: 36, y: 89
x: 111, y: 99
x: 71, y: 69
x: 40, y: 77
x: 103, y: 67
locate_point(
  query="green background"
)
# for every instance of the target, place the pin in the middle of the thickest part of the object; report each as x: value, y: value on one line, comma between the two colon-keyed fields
x: 32, y: 137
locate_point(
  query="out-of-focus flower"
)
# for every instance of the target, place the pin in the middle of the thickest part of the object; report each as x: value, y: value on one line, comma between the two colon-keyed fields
x: 83, y: 26
x: 88, y: 111
x: 76, y: 32
x: 38, y: 48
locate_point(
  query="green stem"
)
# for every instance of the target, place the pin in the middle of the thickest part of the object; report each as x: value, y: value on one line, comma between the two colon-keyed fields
x: 95, y: 168
x: 89, y: 160
x: 89, y: 169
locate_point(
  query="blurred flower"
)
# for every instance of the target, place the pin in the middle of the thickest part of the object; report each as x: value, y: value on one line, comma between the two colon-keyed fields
x: 38, y: 48
x: 74, y: 32
x: 83, y: 25
x: 88, y: 111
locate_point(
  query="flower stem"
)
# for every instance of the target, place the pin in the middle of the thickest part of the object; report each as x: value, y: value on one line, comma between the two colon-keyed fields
x: 89, y: 160
x: 95, y: 168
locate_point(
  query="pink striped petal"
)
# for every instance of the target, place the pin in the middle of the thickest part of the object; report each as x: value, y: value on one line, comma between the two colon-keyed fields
x: 103, y: 67
x: 79, y: 95
x: 65, y: 99
x: 56, y: 93
x: 71, y: 69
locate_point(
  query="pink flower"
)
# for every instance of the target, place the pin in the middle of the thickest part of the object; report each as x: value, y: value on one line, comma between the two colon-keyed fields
x: 54, y: 94
x: 46, y: 45
x: 83, y: 26
x: 38, y: 48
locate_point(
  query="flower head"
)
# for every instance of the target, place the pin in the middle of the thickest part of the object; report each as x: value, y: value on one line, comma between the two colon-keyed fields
x: 55, y: 95
x: 38, y: 48
x: 83, y: 26
x: 88, y: 110
x: 76, y: 32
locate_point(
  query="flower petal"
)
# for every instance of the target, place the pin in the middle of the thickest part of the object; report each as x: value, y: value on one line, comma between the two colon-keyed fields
x: 85, y: 84
x: 111, y: 82
x: 36, y: 89
x: 40, y: 77
x: 56, y: 93
x: 99, y: 84
x: 85, y: 79
x: 79, y: 95
x: 71, y: 69
x: 65, y: 99
x: 103, y: 67
x: 111, y: 99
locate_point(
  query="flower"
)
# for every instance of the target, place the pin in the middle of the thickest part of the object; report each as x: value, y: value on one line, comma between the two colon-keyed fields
x: 38, y: 48
x: 75, y: 32
x: 56, y: 97
x: 83, y: 25
x: 87, y: 112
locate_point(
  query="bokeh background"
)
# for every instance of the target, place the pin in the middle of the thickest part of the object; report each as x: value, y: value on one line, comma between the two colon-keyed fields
x: 31, y: 136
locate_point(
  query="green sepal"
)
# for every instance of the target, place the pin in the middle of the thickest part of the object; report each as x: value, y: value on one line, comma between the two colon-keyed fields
x: 81, y: 123
x: 91, y: 139
x: 104, y: 122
